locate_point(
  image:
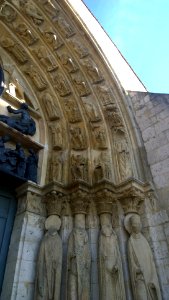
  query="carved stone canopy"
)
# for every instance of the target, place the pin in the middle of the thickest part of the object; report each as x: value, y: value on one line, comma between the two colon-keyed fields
x: 132, y: 200
x: 104, y: 200
x: 79, y: 202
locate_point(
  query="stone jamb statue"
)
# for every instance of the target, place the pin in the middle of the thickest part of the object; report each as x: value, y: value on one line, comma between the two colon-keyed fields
x: 78, y: 262
x: 143, y: 273
x: 110, y: 265
x: 49, y: 263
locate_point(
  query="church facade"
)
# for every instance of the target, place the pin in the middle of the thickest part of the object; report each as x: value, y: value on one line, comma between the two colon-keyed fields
x: 84, y: 162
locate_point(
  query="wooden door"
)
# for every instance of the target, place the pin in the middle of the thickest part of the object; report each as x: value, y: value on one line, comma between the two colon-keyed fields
x: 7, y: 215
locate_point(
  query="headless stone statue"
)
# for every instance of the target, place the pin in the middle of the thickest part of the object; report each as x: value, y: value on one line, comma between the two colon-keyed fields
x: 142, y: 268
x: 24, y: 124
x: 49, y: 264
x: 78, y: 262
x: 110, y: 265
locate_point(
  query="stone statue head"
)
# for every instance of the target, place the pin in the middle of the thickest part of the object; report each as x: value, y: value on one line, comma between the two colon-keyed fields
x: 135, y: 224
x: 52, y: 223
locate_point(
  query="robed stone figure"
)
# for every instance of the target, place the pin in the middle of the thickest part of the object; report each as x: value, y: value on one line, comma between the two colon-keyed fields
x: 110, y: 265
x: 142, y: 268
x: 49, y: 264
x: 78, y: 265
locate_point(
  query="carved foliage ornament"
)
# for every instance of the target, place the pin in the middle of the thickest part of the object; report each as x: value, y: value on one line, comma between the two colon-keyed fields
x: 132, y: 200
x: 104, y: 200
x: 54, y: 202
x: 79, y: 202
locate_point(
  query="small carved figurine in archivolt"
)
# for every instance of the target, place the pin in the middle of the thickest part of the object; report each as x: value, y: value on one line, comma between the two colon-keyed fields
x: 15, y: 49
x: 51, y: 108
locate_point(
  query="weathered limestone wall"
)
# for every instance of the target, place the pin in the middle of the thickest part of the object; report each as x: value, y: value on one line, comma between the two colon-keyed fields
x: 152, y: 116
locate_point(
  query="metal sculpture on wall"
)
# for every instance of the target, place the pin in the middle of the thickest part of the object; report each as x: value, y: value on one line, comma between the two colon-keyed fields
x: 14, y: 161
x: 24, y: 123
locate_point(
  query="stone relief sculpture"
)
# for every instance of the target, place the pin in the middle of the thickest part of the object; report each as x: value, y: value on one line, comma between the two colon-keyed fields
x: 78, y: 262
x: 143, y: 273
x: 24, y: 124
x: 106, y: 96
x: 36, y: 77
x: 25, y: 34
x: 78, y: 139
x: 56, y: 166
x: 122, y: 154
x: 21, y: 161
x: 31, y: 11
x: 50, y: 8
x: 102, y: 168
x: 61, y: 85
x: 65, y: 27
x: 51, y: 109
x: 100, y: 137
x: 92, y: 71
x: 46, y: 58
x: 57, y: 135
x: 52, y: 38
x: 8, y: 13
x: 69, y: 63
x: 92, y: 110
x: 15, y: 49
x: 110, y: 265
x: 78, y: 47
x: 81, y: 85
x: 49, y: 263
x: 79, y: 167
x: 72, y: 111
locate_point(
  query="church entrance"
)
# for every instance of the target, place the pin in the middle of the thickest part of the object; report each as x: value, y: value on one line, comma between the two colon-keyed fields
x: 8, y: 206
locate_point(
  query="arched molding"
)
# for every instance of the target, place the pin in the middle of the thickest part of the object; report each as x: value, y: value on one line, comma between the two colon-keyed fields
x: 96, y: 133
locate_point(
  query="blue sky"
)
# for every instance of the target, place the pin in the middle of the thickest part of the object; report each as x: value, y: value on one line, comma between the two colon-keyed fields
x: 140, y: 30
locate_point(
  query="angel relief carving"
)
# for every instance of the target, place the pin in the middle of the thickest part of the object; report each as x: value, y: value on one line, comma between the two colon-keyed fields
x: 78, y: 138
x: 15, y: 49
x: 46, y: 58
x: 72, y: 111
x: 52, y: 109
x: 79, y: 167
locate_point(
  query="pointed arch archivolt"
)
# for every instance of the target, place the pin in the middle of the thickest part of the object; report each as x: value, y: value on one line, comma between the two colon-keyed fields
x: 87, y: 136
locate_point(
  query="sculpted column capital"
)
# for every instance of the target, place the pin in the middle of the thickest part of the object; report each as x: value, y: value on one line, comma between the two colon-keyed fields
x: 54, y: 200
x: 104, y: 200
x: 79, y: 202
x: 131, y: 200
